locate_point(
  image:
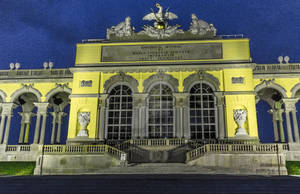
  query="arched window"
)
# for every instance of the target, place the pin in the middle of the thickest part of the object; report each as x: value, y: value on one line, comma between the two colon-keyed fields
x: 119, y: 125
x: 161, y: 117
x: 202, y: 112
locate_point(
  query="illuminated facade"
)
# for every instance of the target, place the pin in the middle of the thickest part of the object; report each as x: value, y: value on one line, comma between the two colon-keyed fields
x: 149, y: 100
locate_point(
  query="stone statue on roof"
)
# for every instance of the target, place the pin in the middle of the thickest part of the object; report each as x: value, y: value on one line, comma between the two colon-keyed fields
x: 160, y: 28
x: 201, y: 27
x: 121, y: 30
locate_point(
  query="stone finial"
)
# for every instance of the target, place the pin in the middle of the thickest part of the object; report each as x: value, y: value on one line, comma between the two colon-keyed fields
x: 17, y: 66
x: 286, y: 59
x: 51, y: 65
x: 11, y: 66
x: 280, y: 59
x: 45, y: 65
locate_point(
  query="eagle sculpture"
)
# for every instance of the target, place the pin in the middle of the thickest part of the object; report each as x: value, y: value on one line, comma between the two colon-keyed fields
x: 160, y: 17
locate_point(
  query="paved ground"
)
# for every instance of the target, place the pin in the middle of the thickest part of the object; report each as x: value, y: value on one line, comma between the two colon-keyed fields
x: 186, y: 184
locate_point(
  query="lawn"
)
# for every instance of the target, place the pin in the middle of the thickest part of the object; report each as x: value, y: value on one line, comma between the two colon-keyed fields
x: 293, y: 167
x: 17, y: 168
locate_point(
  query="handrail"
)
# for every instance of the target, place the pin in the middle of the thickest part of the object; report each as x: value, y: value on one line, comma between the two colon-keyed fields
x: 234, y: 148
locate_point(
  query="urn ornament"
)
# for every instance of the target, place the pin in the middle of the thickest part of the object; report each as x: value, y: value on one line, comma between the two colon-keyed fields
x: 84, y: 120
x: 240, y: 118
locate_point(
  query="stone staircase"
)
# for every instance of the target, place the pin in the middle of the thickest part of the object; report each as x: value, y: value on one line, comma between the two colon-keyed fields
x: 181, y: 156
x: 155, y: 150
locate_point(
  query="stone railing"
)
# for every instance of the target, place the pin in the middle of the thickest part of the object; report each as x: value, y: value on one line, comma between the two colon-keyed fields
x: 18, y: 148
x: 35, y: 73
x: 152, y: 142
x: 276, y: 68
x: 234, y: 148
x: 82, y: 149
x: 11, y: 148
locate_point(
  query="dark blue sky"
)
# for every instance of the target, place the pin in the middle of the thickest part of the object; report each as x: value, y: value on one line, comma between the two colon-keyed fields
x: 32, y: 31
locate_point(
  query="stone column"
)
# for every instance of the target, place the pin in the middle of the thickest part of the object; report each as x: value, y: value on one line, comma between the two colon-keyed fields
x: 139, y: 121
x: 281, y: 131
x: 25, y: 126
x: 53, y: 127
x: 274, y: 120
x: 21, y: 135
x: 221, y: 119
x: 37, y: 128
x: 7, y: 109
x: 60, y: 115
x: 279, y: 112
x: 102, y: 116
x: 42, y: 110
x: 295, y: 123
x: 290, y: 107
x: 26, y: 139
x: 3, y: 117
x: 181, y: 107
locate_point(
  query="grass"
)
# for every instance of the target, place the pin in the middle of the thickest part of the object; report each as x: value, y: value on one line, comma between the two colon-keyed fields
x: 293, y: 167
x: 17, y: 168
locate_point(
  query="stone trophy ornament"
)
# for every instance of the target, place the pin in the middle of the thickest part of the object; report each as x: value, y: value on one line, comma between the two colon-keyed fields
x: 240, y: 117
x: 123, y: 29
x: 200, y: 27
x: 160, y: 28
x: 84, y: 120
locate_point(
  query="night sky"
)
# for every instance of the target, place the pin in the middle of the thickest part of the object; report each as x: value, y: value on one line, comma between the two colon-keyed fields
x: 34, y: 31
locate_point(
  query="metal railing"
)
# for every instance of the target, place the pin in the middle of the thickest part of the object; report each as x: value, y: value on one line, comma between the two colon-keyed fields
x: 276, y: 68
x: 231, y: 36
x: 235, y: 148
x: 35, y: 73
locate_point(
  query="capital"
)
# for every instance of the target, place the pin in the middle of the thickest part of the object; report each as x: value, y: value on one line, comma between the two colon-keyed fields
x: 7, y: 107
x: 42, y: 107
x: 139, y: 99
x: 181, y: 99
x: 102, y: 99
x: 220, y: 98
x: 289, y: 104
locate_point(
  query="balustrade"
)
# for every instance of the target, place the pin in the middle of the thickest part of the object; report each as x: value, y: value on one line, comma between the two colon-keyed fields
x: 235, y: 148
x: 88, y: 149
x: 276, y: 68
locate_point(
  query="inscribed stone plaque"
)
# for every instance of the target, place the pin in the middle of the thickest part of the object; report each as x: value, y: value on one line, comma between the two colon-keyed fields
x: 86, y: 83
x: 161, y: 52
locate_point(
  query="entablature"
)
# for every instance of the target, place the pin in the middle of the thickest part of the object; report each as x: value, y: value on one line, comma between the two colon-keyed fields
x: 34, y: 74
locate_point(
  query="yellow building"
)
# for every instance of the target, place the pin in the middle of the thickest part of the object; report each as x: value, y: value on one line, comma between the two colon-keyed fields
x: 159, y: 95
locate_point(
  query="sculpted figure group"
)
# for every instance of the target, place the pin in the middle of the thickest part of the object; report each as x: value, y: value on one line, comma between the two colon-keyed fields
x: 160, y: 28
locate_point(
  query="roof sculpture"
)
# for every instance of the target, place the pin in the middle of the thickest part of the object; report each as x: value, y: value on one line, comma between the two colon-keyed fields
x: 160, y: 29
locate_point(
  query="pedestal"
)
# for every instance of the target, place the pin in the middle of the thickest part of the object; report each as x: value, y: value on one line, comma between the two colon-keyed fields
x: 83, y: 141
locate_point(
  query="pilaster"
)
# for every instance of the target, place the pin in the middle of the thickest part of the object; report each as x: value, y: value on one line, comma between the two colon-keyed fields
x: 221, y: 119
x: 102, y: 116
x: 181, y: 112
x: 139, y: 116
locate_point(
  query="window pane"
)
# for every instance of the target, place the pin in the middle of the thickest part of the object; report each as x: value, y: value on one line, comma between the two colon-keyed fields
x: 160, y: 113
x: 119, y: 113
x: 202, y: 112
